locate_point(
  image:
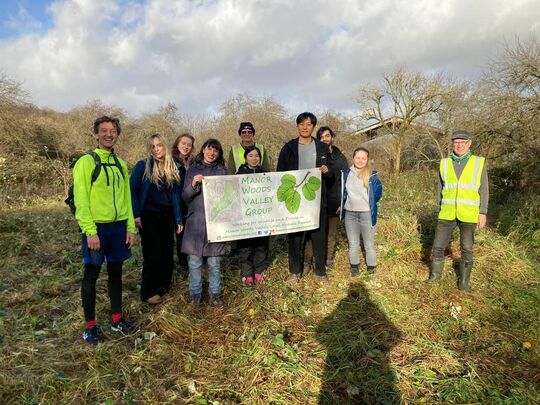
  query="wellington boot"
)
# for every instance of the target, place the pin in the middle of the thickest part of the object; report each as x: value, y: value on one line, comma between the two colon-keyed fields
x: 464, y: 276
x: 436, y: 271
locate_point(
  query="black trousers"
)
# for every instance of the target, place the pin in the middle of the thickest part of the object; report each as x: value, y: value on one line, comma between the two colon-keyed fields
x: 182, y: 257
x: 88, y: 288
x: 157, y: 239
x: 296, y: 244
x: 252, y: 255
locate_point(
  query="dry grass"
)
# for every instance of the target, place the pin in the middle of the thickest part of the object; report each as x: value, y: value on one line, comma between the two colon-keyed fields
x: 367, y: 340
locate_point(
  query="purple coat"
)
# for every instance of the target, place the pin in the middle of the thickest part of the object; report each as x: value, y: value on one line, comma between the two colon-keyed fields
x: 195, y: 240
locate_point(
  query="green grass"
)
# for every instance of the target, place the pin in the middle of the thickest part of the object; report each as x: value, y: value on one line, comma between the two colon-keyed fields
x: 384, y: 339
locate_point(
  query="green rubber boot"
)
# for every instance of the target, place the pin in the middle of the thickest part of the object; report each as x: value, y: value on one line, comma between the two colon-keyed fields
x: 465, y: 269
x: 436, y: 271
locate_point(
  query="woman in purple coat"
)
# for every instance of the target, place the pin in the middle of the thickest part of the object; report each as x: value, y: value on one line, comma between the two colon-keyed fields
x: 209, y: 162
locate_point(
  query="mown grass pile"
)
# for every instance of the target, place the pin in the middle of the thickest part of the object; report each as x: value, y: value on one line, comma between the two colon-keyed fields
x: 385, y: 338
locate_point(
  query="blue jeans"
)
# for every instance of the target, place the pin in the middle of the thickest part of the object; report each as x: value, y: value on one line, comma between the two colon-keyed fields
x: 358, y: 224
x: 195, y: 274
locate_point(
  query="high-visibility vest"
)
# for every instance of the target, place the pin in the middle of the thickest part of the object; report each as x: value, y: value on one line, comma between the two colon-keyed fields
x: 460, y: 197
x: 238, y: 154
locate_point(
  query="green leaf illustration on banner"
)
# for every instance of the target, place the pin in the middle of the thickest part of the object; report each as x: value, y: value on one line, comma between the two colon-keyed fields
x: 309, y: 188
x: 287, y: 191
x: 224, y: 202
x: 293, y: 202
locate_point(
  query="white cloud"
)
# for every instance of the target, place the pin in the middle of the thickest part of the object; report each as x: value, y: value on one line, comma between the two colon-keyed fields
x: 306, y: 54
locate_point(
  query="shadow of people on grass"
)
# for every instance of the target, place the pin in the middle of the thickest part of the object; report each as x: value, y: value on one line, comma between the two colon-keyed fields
x: 358, y: 336
x: 427, y: 222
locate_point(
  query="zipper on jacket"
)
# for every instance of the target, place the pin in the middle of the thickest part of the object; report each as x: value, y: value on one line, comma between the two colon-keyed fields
x: 114, y: 174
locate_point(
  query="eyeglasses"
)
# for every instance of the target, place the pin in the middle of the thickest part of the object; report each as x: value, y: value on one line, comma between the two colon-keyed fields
x: 247, y: 131
x: 460, y: 142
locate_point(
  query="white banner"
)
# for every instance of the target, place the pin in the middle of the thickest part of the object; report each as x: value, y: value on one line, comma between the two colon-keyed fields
x: 246, y: 206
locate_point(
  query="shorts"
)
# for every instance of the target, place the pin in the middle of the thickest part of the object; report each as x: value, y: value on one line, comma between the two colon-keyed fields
x: 112, y: 238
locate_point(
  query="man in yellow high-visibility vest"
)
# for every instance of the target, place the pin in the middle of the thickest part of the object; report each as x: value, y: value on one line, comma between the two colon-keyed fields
x: 463, y: 198
x: 236, y: 155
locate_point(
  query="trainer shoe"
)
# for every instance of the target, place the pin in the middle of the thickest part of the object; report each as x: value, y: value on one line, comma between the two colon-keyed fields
x: 154, y: 300
x: 215, y: 301
x: 124, y: 327
x: 293, y: 278
x: 259, y: 278
x: 248, y: 281
x: 195, y: 299
x: 92, y: 335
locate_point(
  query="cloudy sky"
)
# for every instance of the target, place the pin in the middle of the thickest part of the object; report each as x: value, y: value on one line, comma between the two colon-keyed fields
x: 306, y: 54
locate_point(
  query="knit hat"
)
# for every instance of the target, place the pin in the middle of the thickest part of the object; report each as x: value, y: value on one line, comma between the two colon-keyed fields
x: 246, y: 125
x: 461, y: 134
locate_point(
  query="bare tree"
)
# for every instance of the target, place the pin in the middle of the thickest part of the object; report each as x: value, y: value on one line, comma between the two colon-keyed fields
x: 402, y: 99
x: 507, y: 116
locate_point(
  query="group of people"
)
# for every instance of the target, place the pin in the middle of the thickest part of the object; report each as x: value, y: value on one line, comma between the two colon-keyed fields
x: 163, y: 198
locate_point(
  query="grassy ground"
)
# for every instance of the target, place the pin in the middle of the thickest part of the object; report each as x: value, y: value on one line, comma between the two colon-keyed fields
x: 381, y: 339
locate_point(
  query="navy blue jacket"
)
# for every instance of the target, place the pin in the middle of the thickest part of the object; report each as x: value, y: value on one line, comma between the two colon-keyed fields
x: 195, y: 240
x: 374, y: 193
x: 140, y: 187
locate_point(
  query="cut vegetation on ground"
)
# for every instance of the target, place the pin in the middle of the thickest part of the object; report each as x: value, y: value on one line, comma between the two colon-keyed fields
x: 381, y: 339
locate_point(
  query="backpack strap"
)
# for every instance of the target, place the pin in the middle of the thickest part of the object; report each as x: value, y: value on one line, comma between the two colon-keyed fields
x: 117, y: 164
x: 97, y: 169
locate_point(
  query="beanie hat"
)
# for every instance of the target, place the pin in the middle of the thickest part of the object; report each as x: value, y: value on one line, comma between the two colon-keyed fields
x: 246, y: 125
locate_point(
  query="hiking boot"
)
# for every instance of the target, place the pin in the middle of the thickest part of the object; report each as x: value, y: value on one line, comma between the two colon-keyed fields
x: 154, y: 300
x: 436, y: 271
x: 215, y: 301
x: 293, y: 278
x: 248, y: 281
x: 92, y: 335
x: 195, y: 299
x: 124, y: 327
x: 371, y: 269
x: 355, y: 271
x: 259, y: 278
x: 464, y: 275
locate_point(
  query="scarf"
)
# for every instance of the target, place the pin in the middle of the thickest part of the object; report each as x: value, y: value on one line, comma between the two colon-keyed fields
x: 460, y: 159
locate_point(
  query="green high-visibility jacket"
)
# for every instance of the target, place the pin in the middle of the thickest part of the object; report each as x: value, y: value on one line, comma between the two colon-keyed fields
x: 108, y: 199
x: 460, y: 197
x: 236, y: 158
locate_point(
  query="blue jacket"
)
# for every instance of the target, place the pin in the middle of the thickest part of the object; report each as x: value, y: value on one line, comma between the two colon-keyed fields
x: 140, y: 187
x: 374, y: 193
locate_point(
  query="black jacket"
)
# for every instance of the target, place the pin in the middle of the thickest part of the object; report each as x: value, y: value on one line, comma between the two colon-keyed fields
x: 288, y: 160
x: 333, y: 186
x: 245, y: 169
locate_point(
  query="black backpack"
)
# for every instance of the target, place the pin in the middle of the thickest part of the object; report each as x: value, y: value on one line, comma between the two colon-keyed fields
x: 70, y: 200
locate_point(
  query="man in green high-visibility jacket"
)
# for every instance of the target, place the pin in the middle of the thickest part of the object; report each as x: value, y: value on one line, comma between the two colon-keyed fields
x: 105, y: 216
x: 463, y: 199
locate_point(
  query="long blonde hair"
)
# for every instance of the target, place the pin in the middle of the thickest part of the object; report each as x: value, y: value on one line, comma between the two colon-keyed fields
x: 159, y: 171
x: 365, y: 172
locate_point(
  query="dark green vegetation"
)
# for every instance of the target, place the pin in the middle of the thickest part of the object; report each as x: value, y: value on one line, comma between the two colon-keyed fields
x: 380, y: 339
